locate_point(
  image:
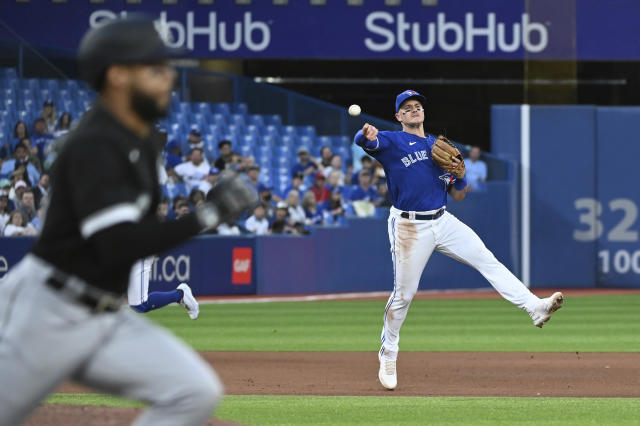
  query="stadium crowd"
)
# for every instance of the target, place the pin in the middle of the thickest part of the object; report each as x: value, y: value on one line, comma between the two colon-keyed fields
x: 322, y: 191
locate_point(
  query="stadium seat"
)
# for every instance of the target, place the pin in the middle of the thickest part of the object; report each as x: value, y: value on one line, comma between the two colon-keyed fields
x: 240, y: 108
x: 341, y: 140
x: 218, y: 119
x: 273, y: 119
x: 271, y: 130
x: 269, y: 140
x: 288, y: 140
x: 307, y: 131
x: 221, y: 108
x: 8, y: 72
x: 256, y: 120
x: 250, y: 140
x: 324, y: 141
x: 237, y: 119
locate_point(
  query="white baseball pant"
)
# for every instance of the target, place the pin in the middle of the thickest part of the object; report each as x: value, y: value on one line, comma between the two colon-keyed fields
x: 413, y: 242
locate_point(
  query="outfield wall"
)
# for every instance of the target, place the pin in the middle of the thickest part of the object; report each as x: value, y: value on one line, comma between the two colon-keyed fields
x: 333, y: 259
x: 583, y: 191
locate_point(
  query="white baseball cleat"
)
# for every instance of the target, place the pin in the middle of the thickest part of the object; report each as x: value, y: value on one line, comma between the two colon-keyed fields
x: 547, y: 306
x: 188, y: 301
x: 387, y: 373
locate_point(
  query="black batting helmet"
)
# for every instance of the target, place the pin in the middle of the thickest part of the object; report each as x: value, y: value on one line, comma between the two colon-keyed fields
x: 131, y: 40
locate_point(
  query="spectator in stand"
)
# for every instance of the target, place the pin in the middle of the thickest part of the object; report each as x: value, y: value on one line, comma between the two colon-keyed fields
x: 17, y: 226
x: 364, y: 191
x: 21, y: 160
x: 64, y: 125
x: 210, y: 180
x: 4, y: 210
x: 266, y: 199
x: 49, y: 115
x: 305, y: 164
x: 476, y: 169
x: 172, y: 154
x: 42, y: 189
x: 27, y: 204
x: 41, y: 139
x: 384, y: 199
x: 253, y: 174
x: 280, y: 223
x: 236, y: 162
x: 334, y: 209
x: 193, y: 172
x: 181, y: 208
x: 19, y: 132
x: 5, y: 188
x: 257, y: 222
x: 297, y: 183
x: 19, y: 186
x: 194, y: 139
x: 245, y: 163
x: 162, y: 211
x: 296, y: 212
x: 336, y: 166
x: 224, y: 148
x: 196, y: 198
x: 32, y: 154
x: 38, y: 220
x: 227, y: 229
x: 367, y: 165
x: 312, y: 213
x: 319, y: 190
x: 325, y: 158
x: 333, y: 180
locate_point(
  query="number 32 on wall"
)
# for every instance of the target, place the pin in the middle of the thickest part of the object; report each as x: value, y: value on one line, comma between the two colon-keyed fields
x: 621, y: 261
x: 590, y: 217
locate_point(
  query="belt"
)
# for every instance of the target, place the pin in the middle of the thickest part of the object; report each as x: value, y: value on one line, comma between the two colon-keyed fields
x: 95, y: 299
x: 436, y: 215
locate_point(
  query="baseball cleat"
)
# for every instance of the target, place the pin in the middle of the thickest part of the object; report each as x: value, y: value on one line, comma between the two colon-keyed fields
x: 387, y: 373
x: 188, y: 301
x: 547, y: 306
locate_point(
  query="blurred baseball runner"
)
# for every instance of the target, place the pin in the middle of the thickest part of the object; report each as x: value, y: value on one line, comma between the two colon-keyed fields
x: 419, y: 177
x: 62, y: 318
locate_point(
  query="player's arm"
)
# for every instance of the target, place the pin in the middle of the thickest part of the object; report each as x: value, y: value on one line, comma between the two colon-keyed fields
x: 459, y: 189
x: 114, y: 218
x: 369, y: 139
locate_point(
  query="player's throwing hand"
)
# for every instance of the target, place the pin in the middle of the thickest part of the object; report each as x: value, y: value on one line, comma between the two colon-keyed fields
x: 370, y: 132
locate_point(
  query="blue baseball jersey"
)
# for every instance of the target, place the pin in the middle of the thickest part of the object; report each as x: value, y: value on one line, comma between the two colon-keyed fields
x: 415, y: 182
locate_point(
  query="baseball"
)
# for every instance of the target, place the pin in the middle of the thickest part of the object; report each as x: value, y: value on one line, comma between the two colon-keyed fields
x: 354, y: 110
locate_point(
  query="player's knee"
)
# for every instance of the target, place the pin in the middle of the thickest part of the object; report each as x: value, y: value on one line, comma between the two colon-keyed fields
x: 141, y: 308
x: 205, y: 392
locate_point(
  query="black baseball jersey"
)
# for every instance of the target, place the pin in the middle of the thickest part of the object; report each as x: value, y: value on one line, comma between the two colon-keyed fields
x: 104, y: 175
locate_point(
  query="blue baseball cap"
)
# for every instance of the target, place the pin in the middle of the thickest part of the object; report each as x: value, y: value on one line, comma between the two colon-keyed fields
x: 214, y: 171
x: 407, y: 94
x: 195, y: 130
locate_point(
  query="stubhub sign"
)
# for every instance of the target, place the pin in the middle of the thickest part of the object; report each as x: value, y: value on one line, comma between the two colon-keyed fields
x: 454, y: 29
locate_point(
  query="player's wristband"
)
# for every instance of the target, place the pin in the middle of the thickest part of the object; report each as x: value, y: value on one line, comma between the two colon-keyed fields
x: 460, y: 184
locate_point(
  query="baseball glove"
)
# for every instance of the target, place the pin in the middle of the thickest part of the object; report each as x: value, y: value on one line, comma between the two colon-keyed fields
x: 443, y: 152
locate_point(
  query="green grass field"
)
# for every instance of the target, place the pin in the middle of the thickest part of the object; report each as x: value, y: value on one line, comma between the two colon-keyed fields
x: 585, y: 324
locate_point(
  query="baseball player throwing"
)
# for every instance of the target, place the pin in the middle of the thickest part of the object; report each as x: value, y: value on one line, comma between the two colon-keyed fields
x: 419, y: 223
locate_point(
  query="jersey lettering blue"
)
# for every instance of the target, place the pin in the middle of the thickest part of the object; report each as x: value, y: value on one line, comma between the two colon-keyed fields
x: 415, y: 183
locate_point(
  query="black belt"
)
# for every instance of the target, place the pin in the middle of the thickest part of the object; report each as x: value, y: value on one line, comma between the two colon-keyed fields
x: 436, y: 215
x: 95, y: 299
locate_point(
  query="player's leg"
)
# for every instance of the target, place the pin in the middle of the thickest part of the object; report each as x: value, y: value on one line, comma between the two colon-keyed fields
x: 412, y: 244
x: 43, y: 339
x: 144, y: 362
x: 138, y: 294
x: 457, y: 240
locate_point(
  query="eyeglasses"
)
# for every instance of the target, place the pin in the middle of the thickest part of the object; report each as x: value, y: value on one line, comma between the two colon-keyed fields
x: 408, y: 110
